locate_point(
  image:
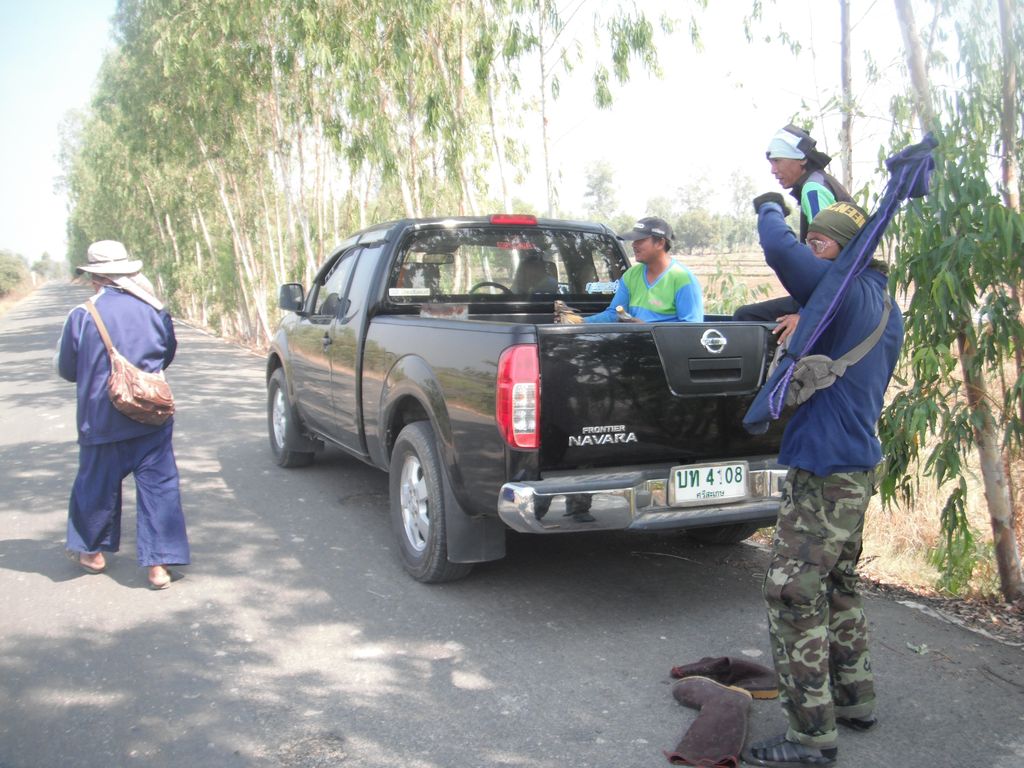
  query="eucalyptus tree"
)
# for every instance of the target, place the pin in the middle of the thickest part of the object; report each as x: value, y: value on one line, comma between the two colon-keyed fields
x: 959, y: 258
x: 232, y: 141
x: 13, y: 271
x: 599, y: 196
x: 545, y: 32
x: 407, y: 104
x: 188, y: 83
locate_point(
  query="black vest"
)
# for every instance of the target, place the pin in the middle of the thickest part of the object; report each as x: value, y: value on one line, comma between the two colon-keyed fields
x: 827, y: 181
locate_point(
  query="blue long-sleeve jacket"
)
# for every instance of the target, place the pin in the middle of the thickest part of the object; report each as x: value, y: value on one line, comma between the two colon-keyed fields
x: 140, y: 333
x: 836, y: 430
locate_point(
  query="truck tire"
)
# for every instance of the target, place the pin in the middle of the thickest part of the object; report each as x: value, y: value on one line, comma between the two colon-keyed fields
x: 724, y: 534
x: 417, y: 507
x: 283, y: 424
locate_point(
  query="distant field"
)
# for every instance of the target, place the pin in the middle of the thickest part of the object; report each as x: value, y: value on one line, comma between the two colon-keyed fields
x: 715, y: 270
x: 745, y: 267
x: 748, y: 264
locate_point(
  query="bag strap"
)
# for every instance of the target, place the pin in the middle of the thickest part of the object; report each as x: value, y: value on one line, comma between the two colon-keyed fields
x: 854, y: 355
x: 90, y: 307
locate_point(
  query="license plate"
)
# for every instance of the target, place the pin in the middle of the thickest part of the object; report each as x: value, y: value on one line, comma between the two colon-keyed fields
x: 707, y: 483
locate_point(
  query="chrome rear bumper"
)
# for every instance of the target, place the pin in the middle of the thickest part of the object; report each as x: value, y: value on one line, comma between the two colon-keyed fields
x: 635, y: 500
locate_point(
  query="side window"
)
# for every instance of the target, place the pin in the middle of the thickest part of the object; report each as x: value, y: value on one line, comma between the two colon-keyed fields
x: 362, y: 279
x: 328, y: 298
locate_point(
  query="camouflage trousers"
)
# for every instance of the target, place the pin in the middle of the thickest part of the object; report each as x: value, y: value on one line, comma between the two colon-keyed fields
x: 818, y: 629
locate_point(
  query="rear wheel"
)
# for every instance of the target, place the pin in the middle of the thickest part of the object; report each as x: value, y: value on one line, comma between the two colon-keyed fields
x: 724, y: 534
x: 417, y: 507
x: 283, y: 424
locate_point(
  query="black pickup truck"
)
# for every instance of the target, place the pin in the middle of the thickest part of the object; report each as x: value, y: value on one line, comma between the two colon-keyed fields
x: 428, y: 348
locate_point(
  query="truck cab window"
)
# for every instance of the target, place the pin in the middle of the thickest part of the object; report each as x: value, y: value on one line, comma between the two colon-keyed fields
x: 505, y: 264
x: 330, y: 291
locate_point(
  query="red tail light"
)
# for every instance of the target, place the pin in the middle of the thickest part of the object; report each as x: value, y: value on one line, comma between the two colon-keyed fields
x: 517, y: 219
x: 518, y: 406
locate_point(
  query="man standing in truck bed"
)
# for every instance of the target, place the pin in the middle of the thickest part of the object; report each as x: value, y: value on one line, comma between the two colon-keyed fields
x: 657, y: 287
x: 798, y: 166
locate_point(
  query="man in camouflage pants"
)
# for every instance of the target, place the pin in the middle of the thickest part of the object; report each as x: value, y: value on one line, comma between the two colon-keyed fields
x: 818, y: 629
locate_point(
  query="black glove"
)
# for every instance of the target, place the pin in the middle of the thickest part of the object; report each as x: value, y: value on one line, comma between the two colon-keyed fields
x: 771, y: 197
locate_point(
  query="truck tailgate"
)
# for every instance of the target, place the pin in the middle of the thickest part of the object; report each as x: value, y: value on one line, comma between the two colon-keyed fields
x: 623, y: 394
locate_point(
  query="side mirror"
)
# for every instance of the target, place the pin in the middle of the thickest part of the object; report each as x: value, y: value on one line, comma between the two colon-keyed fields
x: 290, y: 297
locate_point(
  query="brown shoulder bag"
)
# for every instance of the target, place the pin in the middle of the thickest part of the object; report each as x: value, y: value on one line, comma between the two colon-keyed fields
x: 142, y: 396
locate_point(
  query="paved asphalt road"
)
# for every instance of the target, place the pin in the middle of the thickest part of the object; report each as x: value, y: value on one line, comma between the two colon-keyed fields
x: 296, y: 640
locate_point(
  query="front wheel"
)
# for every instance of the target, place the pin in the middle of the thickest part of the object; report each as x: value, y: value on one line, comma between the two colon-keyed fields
x: 283, y: 425
x: 417, y: 507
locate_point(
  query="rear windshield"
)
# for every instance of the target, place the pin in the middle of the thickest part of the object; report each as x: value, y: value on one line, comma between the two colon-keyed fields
x: 505, y: 263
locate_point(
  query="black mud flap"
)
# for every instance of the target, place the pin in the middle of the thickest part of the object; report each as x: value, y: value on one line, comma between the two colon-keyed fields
x: 470, y: 539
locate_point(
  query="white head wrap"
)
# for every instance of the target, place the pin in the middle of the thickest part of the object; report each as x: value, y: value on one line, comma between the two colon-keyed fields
x: 784, y: 145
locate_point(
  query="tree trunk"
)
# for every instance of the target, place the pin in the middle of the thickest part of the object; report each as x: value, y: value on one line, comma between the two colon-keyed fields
x: 156, y: 213
x: 506, y: 199
x: 1011, y: 198
x: 1010, y: 127
x: 213, y: 255
x: 986, y: 435
x: 915, y: 62
x: 174, y: 240
x: 549, y: 192
x: 1010, y: 142
x: 993, y: 472
x: 846, y: 134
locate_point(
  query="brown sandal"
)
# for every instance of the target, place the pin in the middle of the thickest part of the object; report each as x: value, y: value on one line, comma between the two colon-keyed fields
x: 159, y: 579
x: 92, y: 568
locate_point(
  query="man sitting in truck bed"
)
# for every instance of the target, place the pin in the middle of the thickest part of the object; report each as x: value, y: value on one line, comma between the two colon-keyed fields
x: 657, y: 287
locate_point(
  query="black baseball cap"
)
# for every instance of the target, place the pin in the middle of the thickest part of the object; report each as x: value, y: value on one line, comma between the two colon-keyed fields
x: 651, y: 226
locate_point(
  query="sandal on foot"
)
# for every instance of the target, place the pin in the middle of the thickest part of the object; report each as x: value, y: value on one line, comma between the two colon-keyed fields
x: 159, y: 579
x: 780, y: 753
x: 858, y: 723
x: 96, y: 564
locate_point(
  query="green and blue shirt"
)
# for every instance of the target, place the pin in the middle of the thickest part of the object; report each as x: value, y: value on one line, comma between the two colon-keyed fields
x: 674, y: 295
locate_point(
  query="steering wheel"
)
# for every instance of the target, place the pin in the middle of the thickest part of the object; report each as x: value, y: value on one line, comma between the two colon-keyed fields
x: 490, y: 284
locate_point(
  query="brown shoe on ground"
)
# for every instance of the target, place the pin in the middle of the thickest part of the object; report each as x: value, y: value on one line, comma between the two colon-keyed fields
x: 760, y: 681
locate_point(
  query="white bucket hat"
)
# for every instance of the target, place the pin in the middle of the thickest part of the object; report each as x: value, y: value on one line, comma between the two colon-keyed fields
x: 109, y: 257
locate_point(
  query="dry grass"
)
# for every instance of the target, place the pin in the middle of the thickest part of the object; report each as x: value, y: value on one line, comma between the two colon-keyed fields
x: 898, y: 540
x: 10, y: 299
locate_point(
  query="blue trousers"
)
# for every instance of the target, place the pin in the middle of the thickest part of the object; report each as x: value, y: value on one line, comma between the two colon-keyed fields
x: 94, y: 513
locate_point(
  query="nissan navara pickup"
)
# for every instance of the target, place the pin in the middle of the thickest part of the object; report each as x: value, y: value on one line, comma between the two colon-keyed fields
x: 428, y: 348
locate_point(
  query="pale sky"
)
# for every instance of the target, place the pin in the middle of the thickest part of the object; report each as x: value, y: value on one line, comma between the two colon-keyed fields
x: 50, y: 54
x: 711, y: 114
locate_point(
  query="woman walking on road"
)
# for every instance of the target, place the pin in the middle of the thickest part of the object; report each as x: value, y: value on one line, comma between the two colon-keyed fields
x: 112, y: 445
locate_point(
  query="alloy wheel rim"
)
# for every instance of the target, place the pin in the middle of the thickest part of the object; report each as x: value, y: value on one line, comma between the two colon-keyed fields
x: 279, y: 417
x: 415, y: 504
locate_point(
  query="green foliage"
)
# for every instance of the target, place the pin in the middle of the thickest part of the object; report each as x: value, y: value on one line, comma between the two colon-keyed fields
x: 599, y: 196
x: 957, y: 558
x: 231, y: 143
x: 13, y: 271
x: 724, y: 292
x: 958, y: 257
x: 47, y: 268
x: 700, y: 231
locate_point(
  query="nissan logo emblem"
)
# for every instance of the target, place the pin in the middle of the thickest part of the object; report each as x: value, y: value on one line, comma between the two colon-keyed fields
x: 713, y: 341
